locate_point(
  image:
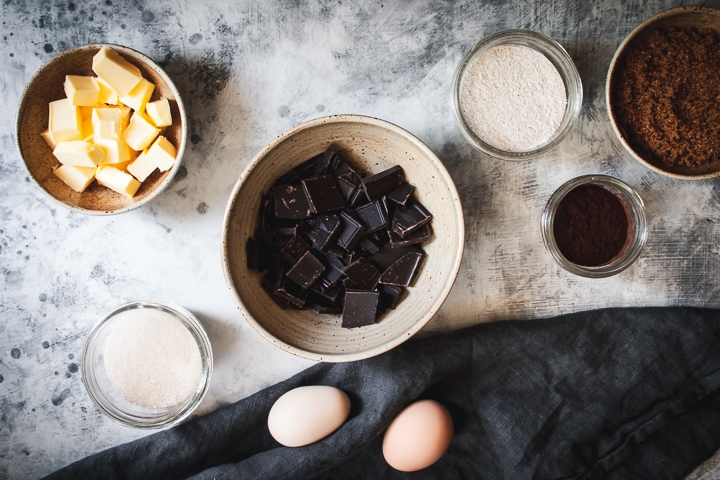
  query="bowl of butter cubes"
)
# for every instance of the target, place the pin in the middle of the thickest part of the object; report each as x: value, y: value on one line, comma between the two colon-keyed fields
x: 101, y: 129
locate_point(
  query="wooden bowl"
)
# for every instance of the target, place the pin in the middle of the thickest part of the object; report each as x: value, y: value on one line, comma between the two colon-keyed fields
x: 690, y: 16
x: 32, y: 119
x: 372, y: 145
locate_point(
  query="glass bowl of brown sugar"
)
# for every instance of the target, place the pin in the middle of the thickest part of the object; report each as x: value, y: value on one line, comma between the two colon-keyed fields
x: 594, y: 226
x: 662, y: 89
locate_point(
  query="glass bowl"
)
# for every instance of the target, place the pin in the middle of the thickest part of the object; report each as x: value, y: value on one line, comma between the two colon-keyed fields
x: 637, y: 226
x: 556, y: 54
x: 110, y: 401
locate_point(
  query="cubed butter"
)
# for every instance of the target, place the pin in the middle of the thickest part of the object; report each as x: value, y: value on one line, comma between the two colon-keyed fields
x: 108, y: 95
x: 159, y: 112
x: 47, y: 135
x: 117, y: 180
x: 86, y: 112
x: 116, y: 150
x: 107, y: 122
x: 161, y: 155
x: 77, y: 178
x: 126, y: 112
x: 117, y: 72
x: 79, y: 153
x: 138, y: 96
x: 142, y: 167
x: 65, y: 121
x: 140, y: 133
x: 88, y: 130
x: 82, y: 90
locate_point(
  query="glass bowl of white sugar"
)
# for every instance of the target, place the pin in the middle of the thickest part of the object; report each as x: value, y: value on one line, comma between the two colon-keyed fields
x: 516, y: 94
x: 147, y: 364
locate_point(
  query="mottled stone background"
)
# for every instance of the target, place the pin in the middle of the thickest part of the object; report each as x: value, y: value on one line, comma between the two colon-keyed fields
x: 248, y: 71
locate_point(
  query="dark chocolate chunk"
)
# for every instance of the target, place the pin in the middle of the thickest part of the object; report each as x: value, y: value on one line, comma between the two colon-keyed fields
x: 415, y: 238
x: 290, y: 202
x: 410, y: 217
x: 368, y: 245
x: 388, y: 255
x: 358, y: 197
x: 333, y: 272
x: 362, y: 273
x: 350, y: 231
x: 360, y: 308
x: 306, y: 270
x: 324, y: 231
x: 402, y: 272
x: 382, y: 183
x: 373, y: 216
x: 259, y: 254
x: 323, y: 194
x: 401, y: 194
x: 389, y: 295
x: 347, y: 187
x: 294, y: 248
x: 292, y: 293
x: 328, y: 309
x: 289, y: 229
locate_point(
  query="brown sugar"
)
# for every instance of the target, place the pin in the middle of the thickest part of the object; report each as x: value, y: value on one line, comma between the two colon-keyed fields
x: 666, y: 96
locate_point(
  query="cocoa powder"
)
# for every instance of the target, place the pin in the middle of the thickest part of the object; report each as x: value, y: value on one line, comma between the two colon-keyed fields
x: 666, y: 96
x: 590, y: 226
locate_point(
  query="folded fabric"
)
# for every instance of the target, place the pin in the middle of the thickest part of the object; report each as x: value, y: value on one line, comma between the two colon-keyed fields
x: 607, y: 394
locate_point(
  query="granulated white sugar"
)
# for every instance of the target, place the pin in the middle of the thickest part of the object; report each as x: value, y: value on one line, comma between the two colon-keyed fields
x: 513, y: 98
x: 152, y: 359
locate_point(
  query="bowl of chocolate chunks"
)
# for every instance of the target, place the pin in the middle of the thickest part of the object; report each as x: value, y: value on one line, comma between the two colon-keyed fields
x: 342, y: 238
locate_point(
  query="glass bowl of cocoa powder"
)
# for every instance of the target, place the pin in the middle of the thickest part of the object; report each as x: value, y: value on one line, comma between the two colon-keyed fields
x: 594, y: 226
x: 662, y: 93
x: 516, y: 94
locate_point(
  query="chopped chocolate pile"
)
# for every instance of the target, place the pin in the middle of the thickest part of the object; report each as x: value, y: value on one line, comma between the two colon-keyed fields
x: 333, y: 239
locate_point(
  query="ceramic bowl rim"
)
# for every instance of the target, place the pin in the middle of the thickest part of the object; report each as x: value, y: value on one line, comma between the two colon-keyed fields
x: 417, y: 326
x: 151, y: 64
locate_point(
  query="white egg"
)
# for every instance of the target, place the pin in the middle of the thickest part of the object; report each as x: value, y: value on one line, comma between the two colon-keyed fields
x: 418, y: 436
x: 307, y: 414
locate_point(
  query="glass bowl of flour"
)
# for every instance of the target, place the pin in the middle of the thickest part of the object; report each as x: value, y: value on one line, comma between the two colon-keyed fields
x: 516, y: 94
x: 147, y: 364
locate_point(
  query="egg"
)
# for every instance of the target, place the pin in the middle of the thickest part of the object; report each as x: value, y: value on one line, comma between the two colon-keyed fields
x: 418, y: 436
x: 307, y: 414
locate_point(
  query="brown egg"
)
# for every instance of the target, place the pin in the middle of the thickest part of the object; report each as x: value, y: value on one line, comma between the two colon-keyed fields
x: 418, y: 436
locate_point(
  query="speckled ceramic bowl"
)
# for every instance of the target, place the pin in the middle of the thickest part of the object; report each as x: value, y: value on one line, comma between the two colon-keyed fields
x: 690, y: 16
x: 32, y: 119
x: 373, y: 145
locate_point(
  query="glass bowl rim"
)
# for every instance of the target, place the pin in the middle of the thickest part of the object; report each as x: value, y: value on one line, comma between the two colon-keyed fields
x: 191, y: 322
x: 561, y: 60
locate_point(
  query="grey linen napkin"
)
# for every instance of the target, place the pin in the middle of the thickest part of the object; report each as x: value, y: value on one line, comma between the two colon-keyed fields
x: 607, y: 394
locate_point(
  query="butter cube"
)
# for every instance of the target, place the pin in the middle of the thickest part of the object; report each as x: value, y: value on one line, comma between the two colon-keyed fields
x: 107, y: 122
x: 126, y: 113
x: 138, y: 96
x: 161, y: 154
x: 107, y: 95
x: 79, y: 153
x: 77, y: 178
x: 116, y: 150
x: 142, y: 167
x: 140, y: 133
x: 117, y: 180
x: 117, y: 72
x: 159, y: 112
x: 86, y: 112
x: 82, y: 90
x: 164, y: 152
x: 65, y: 122
x: 47, y: 135
x: 88, y: 130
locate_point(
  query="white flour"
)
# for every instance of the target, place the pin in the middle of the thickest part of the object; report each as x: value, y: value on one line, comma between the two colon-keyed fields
x: 152, y: 359
x: 513, y: 98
